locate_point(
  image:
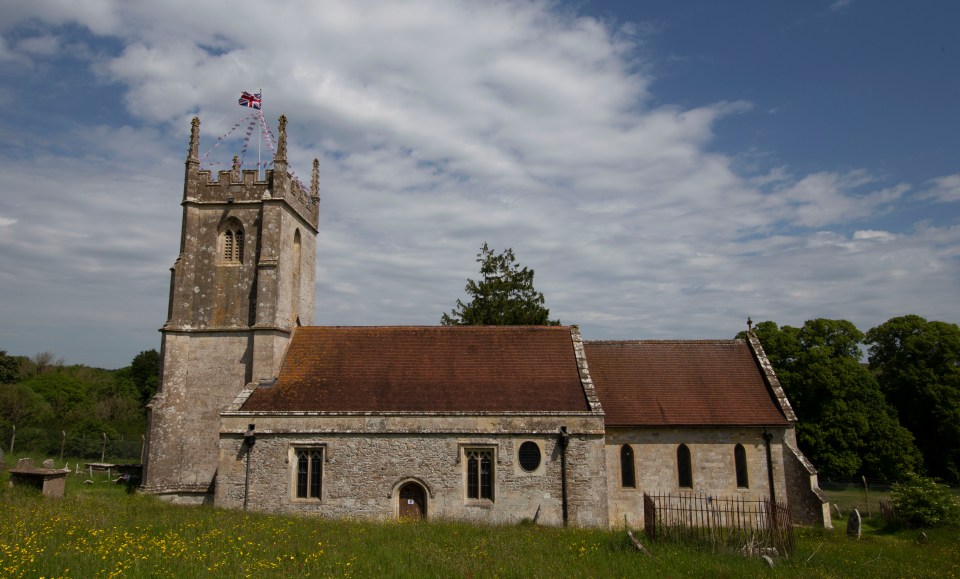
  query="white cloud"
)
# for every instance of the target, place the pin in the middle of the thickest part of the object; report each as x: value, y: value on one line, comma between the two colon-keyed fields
x: 43, y: 45
x: 944, y: 189
x: 441, y: 125
x: 871, y: 235
x: 11, y: 56
x: 826, y: 198
x: 839, y: 5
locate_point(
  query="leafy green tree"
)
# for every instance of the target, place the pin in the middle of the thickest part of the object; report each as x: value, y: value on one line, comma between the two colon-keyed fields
x: 845, y: 425
x: 21, y: 406
x: 61, y: 390
x: 145, y: 371
x: 922, y: 502
x: 917, y: 363
x: 9, y: 368
x: 504, y: 296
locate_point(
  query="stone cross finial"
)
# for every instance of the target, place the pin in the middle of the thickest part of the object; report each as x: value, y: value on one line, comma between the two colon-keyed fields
x: 749, y: 324
x: 315, y: 180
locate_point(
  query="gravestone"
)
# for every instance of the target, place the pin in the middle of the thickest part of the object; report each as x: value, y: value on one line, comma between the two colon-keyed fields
x: 48, y: 463
x: 853, y: 525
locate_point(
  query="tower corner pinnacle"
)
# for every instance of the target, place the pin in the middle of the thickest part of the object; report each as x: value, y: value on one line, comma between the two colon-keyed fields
x: 193, y: 153
x: 281, y: 154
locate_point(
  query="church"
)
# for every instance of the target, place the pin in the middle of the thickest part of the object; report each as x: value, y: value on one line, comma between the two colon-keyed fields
x: 258, y: 409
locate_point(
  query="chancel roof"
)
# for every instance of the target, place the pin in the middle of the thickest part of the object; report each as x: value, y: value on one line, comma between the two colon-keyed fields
x: 680, y: 383
x: 427, y: 369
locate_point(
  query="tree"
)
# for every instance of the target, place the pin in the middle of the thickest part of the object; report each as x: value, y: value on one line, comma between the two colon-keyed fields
x: 9, y: 368
x: 922, y: 502
x: 917, y: 364
x: 145, y: 371
x: 20, y: 405
x: 62, y: 391
x: 505, y: 295
x: 845, y: 425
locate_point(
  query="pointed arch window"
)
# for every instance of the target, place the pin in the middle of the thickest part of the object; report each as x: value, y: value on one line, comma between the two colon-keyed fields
x: 231, y: 242
x: 628, y: 475
x: 740, y: 462
x: 684, y: 467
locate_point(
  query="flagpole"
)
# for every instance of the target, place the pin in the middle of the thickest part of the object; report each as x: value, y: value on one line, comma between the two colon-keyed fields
x: 260, y: 134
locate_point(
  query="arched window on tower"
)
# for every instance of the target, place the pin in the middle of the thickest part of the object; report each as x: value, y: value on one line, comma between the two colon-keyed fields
x: 740, y: 462
x: 684, y: 467
x: 231, y: 242
x: 628, y: 478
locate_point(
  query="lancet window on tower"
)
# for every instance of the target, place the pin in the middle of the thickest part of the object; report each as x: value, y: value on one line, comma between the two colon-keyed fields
x: 231, y: 242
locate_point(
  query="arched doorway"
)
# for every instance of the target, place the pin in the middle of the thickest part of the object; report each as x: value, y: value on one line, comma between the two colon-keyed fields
x: 413, y: 501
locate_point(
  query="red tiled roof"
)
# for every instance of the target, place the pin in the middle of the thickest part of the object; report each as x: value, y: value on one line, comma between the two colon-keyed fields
x: 680, y: 383
x: 426, y: 369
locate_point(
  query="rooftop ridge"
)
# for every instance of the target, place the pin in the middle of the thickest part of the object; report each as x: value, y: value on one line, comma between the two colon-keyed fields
x: 718, y: 341
x: 438, y: 327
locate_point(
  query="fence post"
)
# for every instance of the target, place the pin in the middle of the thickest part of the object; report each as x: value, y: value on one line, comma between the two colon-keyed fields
x: 103, y: 450
x: 13, y: 437
x: 649, y: 517
x: 63, y: 442
x: 866, y: 495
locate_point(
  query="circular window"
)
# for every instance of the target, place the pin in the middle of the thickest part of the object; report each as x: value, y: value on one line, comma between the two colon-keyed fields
x: 529, y: 456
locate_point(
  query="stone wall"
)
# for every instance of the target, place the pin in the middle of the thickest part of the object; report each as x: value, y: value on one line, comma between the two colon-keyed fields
x: 808, y: 504
x: 712, y: 461
x: 203, y: 372
x: 368, y: 458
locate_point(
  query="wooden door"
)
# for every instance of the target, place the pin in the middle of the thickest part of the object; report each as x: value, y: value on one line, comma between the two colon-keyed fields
x: 413, y: 501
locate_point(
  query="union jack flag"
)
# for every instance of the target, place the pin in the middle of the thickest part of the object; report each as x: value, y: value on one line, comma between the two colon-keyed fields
x: 249, y: 100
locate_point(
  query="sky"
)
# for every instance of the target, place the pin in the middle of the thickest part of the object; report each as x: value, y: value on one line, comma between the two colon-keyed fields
x: 666, y: 168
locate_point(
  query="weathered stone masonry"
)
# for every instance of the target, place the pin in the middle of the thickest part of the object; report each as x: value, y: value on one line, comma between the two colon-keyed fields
x: 228, y: 322
x: 368, y: 457
x: 243, y: 284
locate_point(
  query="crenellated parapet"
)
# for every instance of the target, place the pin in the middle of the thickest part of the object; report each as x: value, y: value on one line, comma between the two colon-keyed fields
x: 243, y: 187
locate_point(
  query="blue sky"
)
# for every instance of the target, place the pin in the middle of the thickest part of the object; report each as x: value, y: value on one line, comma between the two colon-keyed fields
x: 666, y: 168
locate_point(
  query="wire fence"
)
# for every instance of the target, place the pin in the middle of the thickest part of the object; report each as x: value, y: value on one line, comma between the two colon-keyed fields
x: 752, y: 526
x: 837, y: 483
x: 63, y: 443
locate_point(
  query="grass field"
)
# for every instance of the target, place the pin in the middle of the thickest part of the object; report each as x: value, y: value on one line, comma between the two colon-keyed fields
x: 100, y: 531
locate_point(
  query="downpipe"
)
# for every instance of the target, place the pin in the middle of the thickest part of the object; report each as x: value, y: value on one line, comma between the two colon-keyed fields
x: 251, y: 438
x: 767, y: 437
x: 563, y: 441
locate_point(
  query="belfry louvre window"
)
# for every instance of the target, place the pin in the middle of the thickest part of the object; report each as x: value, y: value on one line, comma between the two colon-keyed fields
x: 740, y: 462
x: 309, y: 473
x: 231, y: 243
x: 479, y: 473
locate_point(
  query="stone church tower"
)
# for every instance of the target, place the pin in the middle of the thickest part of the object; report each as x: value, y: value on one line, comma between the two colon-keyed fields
x: 244, y: 280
